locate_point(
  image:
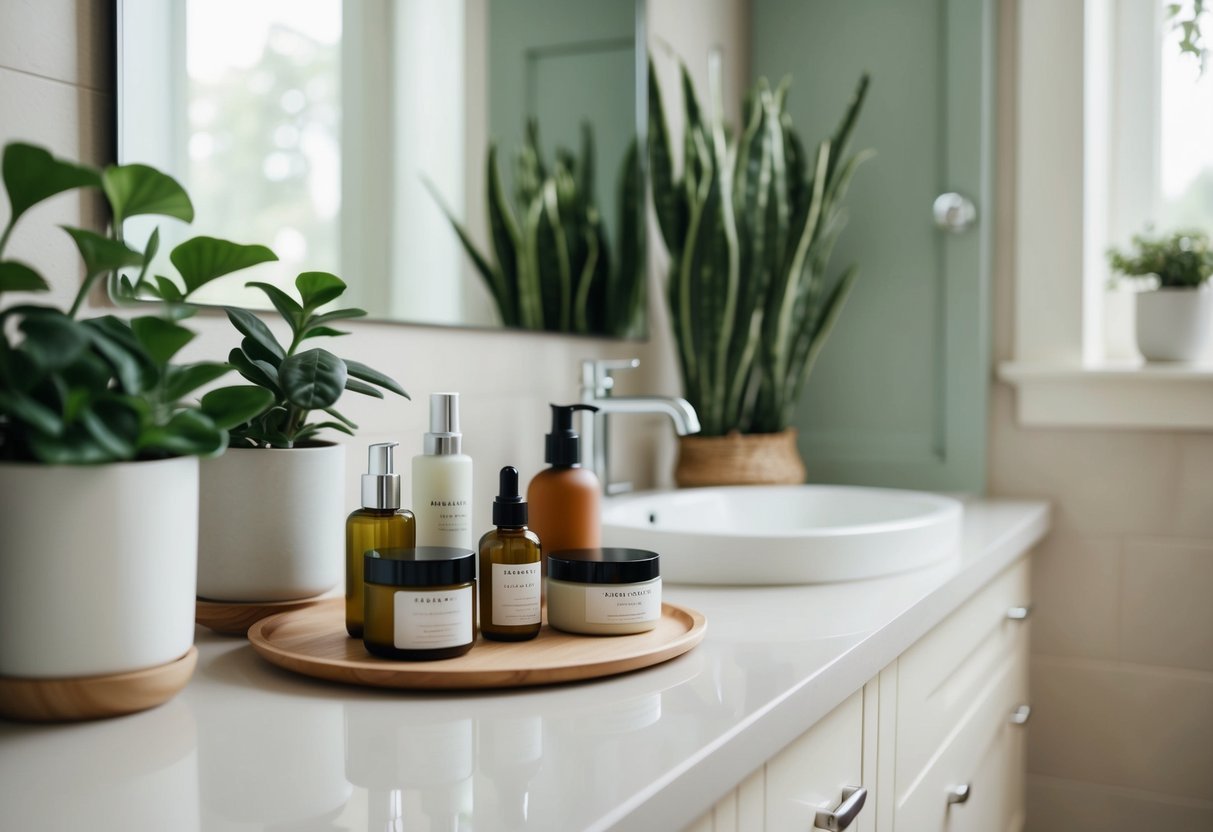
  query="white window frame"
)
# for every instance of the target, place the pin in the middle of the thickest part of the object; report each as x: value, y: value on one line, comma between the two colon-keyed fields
x: 1064, y: 51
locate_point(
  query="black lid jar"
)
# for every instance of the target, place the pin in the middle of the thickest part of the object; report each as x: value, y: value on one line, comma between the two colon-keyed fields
x: 420, y: 602
x: 610, y: 591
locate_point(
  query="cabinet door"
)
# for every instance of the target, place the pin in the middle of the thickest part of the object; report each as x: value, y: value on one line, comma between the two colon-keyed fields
x: 811, y: 773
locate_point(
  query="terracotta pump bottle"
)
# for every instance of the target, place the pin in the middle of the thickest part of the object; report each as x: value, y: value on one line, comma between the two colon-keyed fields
x: 564, y: 499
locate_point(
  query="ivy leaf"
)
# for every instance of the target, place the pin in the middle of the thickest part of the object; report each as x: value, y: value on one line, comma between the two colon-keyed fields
x: 318, y: 288
x: 140, y: 189
x: 232, y: 406
x: 202, y: 259
x: 18, y: 277
x: 162, y: 339
x: 31, y: 174
x: 312, y: 380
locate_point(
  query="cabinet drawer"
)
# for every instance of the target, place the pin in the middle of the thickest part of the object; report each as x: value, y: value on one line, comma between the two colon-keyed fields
x: 941, y: 676
x: 984, y: 753
x: 811, y: 772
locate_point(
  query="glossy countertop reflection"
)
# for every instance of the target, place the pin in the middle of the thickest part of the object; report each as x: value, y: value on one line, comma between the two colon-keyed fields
x: 248, y: 746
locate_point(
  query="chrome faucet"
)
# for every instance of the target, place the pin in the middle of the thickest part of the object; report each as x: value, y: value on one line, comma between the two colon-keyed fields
x: 596, y: 386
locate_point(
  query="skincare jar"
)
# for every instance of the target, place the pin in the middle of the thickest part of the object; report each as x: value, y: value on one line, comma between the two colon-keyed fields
x: 604, y: 592
x: 419, y: 604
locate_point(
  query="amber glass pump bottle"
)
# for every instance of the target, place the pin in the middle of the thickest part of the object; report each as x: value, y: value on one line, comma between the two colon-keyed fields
x: 510, y: 583
x: 565, y: 498
x: 379, y: 524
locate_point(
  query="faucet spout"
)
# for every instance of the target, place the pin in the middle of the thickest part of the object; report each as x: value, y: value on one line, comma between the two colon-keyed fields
x: 684, y: 417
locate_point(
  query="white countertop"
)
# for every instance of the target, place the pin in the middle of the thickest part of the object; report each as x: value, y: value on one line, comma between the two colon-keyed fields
x: 247, y: 746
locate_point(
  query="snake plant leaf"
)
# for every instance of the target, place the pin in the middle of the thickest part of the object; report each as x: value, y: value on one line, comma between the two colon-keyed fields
x: 491, y: 276
x: 668, y: 204
x: 552, y: 261
x: 504, y: 230
x: 626, y: 302
x: 32, y: 174
x: 585, y: 280
x: 252, y: 327
x: 842, y: 134
x: 318, y: 288
x: 133, y: 190
x: 313, y: 379
x: 359, y: 370
x: 228, y: 407
x: 183, y: 379
x: 161, y: 339
x: 200, y: 260
x: 833, y: 308
x: 18, y: 277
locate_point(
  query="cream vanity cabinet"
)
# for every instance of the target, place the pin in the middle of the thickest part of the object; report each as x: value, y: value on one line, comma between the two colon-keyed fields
x: 935, y: 743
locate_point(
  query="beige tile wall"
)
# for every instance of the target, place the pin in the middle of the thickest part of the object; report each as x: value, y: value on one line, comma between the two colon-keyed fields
x: 55, y: 90
x: 1122, y: 636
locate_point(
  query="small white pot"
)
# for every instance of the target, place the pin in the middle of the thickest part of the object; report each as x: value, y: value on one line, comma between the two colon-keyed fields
x: 97, y: 566
x: 271, y: 524
x: 1175, y: 324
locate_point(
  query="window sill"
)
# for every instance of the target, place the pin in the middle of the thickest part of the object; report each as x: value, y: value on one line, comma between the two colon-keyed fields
x: 1127, y: 396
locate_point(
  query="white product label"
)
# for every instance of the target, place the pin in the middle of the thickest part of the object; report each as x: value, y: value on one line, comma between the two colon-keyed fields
x: 431, y: 620
x: 515, y: 594
x: 623, y: 603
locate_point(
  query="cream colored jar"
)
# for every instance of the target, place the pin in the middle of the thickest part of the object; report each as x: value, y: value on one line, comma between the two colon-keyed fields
x: 604, y: 592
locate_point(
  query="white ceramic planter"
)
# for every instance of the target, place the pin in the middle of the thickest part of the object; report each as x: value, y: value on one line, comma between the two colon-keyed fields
x: 1175, y: 324
x: 97, y: 567
x: 272, y: 523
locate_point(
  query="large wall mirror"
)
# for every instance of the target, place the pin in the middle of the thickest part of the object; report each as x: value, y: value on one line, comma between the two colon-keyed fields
x: 353, y: 137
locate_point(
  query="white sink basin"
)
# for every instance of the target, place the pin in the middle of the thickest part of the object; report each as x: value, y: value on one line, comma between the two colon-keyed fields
x: 785, y: 534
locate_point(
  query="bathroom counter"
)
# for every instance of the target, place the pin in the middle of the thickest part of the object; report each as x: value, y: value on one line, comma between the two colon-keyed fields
x: 249, y: 747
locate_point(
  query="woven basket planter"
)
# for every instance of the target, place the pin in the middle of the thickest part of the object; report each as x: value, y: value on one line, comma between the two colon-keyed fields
x: 739, y: 459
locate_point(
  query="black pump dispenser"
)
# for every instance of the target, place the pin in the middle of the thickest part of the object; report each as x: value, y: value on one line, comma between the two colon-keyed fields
x: 562, y: 448
x: 509, y: 509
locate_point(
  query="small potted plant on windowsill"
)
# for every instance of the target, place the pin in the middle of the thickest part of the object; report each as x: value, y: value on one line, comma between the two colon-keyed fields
x: 1175, y: 307
x: 272, y: 508
x: 99, y: 447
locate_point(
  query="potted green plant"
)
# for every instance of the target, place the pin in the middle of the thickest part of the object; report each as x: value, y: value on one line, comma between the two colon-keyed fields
x: 99, y: 437
x: 1175, y: 307
x: 749, y: 221
x: 272, y: 507
x: 552, y: 265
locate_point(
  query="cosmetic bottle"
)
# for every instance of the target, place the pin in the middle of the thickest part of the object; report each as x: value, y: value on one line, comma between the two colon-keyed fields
x: 380, y: 523
x: 442, y: 479
x: 510, y: 582
x: 565, y: 498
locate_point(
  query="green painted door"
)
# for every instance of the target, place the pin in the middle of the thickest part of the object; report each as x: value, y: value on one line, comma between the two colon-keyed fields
x: 898, y: 396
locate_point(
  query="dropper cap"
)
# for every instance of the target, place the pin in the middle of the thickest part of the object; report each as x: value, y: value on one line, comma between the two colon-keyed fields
x: 381, y: 483
x: 444, y: 437
x: 509, y: 509
x: 562, y: 447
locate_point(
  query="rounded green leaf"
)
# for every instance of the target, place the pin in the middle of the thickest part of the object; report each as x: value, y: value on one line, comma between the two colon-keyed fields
x: 101, y: 254
x: 318, y: 288
x: 160, y: 338
x: 31, y: 174
x: 140, y: 189
x: 18, y: 277
x: 312, y: 380
x: 232, y: 406
x: 202, y: 259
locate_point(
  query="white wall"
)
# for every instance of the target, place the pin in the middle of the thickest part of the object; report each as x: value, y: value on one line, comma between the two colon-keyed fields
x: 1122, y: 638
x: 55, y: 90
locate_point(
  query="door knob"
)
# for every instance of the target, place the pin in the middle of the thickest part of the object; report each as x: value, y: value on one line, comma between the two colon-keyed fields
x: 958, y: 794
x: 954, y: 212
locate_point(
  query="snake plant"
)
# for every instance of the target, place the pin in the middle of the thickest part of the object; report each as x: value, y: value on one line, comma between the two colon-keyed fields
x: 749, y: 223
x: 551, y: 266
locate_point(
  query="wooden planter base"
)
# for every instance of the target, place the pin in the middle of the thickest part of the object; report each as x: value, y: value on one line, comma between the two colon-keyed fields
x: 739, y: 459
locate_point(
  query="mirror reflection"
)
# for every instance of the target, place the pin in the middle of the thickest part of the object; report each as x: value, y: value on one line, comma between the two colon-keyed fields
x: 448, y: 160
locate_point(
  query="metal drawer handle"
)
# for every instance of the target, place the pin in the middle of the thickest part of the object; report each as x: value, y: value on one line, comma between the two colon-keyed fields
x: 1021, y: 715
x: 853, y: 798
x: 1020, y: 613
x: 959, y: 794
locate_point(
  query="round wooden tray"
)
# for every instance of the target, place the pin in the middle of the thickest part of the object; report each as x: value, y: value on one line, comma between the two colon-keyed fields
x: 313, y: 642
x: 94, y: 697
x: 233, y: 618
